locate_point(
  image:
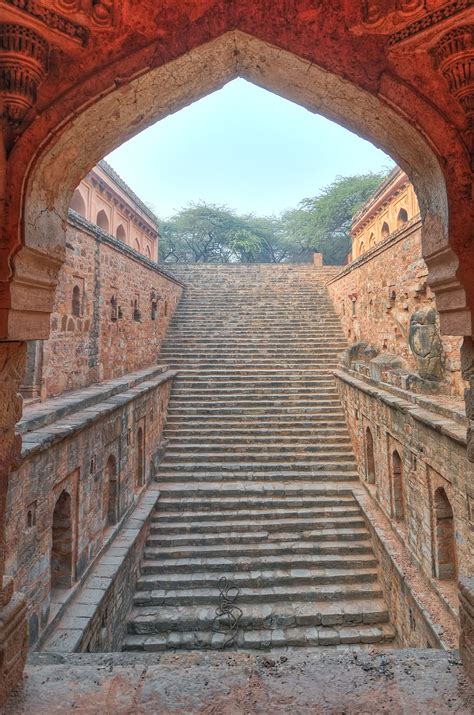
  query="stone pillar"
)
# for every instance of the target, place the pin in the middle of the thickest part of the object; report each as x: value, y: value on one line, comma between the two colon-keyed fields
x: 466, y: 618
x: 318, y: 259
x: 13, y: 625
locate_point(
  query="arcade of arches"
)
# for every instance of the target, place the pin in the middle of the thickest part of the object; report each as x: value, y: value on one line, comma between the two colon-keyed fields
x: 86, y: 73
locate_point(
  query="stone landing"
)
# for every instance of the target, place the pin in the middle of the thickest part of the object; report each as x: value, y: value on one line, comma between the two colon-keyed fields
x: 305, y: 682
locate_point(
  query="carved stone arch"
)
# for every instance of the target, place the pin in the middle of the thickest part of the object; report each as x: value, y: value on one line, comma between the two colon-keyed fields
x: 151, y: 96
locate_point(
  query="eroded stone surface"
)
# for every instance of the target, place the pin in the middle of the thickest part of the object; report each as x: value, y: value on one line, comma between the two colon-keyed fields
x: 304, y: 682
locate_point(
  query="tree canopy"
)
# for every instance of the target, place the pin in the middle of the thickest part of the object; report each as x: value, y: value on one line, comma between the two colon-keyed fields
x: 207, y: 233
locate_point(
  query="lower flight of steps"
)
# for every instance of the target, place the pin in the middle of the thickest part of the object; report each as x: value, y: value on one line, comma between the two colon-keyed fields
x: 257, y: 476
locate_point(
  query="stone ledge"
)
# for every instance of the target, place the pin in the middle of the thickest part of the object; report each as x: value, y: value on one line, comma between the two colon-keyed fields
x: 74, y: 415
x: 316, y: 680
x: 413, y: 405
x: 68, y: 628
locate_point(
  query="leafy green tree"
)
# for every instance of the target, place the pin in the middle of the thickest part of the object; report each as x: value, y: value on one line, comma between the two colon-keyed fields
x: 323, y: 223
x: 208, y: 233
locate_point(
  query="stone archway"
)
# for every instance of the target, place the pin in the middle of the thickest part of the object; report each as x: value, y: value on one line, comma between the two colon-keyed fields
x: 333, y: 59
x: 62, y: 543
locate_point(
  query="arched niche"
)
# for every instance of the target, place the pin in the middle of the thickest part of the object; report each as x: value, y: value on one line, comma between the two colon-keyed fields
x: 78, y: 204
x: 369, y: 456
x: 120, y: 233
x: 402, y: 217
x: 102, y: 221
x: 110, y: 500
x: 398, y: 498
x: 62, y: 543
x: 444, y: 539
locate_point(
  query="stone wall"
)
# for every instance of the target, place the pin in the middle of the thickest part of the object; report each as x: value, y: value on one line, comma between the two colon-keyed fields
x: 116, y: 320
x: 383, y: 299
x: 411, y: 454
x: 93, y: 463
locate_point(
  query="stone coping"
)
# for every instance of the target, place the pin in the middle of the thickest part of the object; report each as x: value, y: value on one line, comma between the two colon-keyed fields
x: 308, y: 681
x: 438, y: 417
x: 77, y: 414
x: 44, y: 413
x: 66, y: 630
x: 437, y: 612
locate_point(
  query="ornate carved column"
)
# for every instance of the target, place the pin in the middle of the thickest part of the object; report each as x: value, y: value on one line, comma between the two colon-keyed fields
x: 13, y: 625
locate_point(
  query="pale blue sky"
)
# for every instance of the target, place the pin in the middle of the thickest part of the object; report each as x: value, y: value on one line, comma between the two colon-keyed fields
x: 243, y: 147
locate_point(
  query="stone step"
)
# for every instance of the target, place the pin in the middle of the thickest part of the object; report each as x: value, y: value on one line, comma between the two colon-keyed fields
x: 268, y: 522
x: 253, y: 451
x: 258, y: 461
x: 258, y: 490
x: 193, y: 475
x: 148, y: 585
x: 340, y: 610
x: 153, y: 564
x: 340, y: 546
x: 259, y: 535
x: 195, y: 512
x: 169, y: 505
x: 265, y: 594
x: 230, y: 435
x: 263, y: 639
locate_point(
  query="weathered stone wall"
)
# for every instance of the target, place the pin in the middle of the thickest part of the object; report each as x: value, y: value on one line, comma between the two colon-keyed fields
x: 431, y: 445
x: 72, y: 456
x: 466, y: 614
x: 383, y: 299
x: 125, y: 305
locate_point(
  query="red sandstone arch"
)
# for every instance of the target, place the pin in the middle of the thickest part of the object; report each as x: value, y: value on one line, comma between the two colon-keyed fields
x: 140, y: 101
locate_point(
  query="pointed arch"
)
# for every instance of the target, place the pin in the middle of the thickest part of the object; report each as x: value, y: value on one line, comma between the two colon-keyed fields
x: 445, y: 545
x: 78, y: 203
x: 120, y: 233
x: 398, y: 497
x: 62, y: 543
x: 102, y: 221
x: 369, y: 456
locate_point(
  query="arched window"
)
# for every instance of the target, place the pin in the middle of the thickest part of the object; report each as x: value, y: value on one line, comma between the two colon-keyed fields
x: 77, y: 203
x: 361, y: 248
x: 61, y: 543
x: 402, y: 217
x: 139, y: 457
x: 369, y: 456
x: 398, y: 502
x: 76, y: 307
x: 371, y: 240
x: 136, y: 245
x: 148, y: 252
x: 385, y: 232
x: 110, y: 498
x: 445, y: 549
x: 120, y: 233
x: 102, y: 221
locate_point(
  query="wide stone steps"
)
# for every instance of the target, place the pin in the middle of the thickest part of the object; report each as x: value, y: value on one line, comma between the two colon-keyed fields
x: 339, y: 545
x: 257, y: 475
x: 149, y: 584
x: 235, y: 564
x: 340, y: 610
x: 264, y: 639
x: 258, y: 535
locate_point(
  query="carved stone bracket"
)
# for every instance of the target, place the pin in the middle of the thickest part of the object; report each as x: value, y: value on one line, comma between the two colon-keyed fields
x: 453, y: 56
x: 23, y: 62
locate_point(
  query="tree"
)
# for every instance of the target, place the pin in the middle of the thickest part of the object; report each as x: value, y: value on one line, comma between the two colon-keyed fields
x: 323, y: 223
x: 208, y: 233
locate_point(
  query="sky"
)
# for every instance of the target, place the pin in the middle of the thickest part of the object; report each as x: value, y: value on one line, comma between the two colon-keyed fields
x: 242, y: 147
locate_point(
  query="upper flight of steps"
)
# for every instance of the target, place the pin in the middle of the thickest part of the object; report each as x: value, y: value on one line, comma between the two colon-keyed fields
x: 257, y: 475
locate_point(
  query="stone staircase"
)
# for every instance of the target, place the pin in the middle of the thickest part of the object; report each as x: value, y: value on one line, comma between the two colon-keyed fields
x: 257, y: 476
